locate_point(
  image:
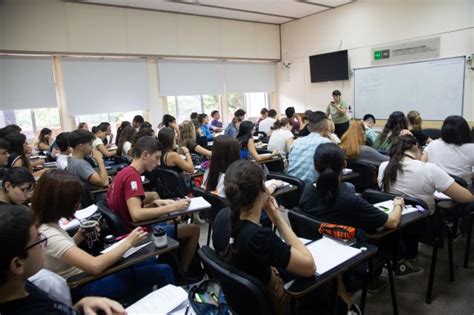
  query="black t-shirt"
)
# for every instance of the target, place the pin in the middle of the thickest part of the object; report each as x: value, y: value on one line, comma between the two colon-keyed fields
x: 37, y: 302
x: 258, y: 250
x: 347, y: 209
x: 304, y: 131
x: 420, y: 136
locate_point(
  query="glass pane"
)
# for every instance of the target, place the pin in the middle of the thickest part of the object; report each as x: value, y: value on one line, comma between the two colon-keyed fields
x: 92, y: 120
x: 48, y: 118
x: 255, y: 102
x: 210, y: 103
x: 171, y: 100
x: 187, y: 105
x: 235, y: 101
x: 23, y: 119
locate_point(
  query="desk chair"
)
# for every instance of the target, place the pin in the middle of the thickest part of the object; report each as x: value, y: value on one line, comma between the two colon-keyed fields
x: 291, y: 199
x: 217, y: 204
x: 433, y: 133
x: 244, y: 293
x: 173, y: 183
x: 304, y: 225
x: 114, y: 221
x: 367, y: 175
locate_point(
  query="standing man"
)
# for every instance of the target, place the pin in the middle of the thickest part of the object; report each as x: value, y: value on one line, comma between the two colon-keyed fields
x: 337, y: 110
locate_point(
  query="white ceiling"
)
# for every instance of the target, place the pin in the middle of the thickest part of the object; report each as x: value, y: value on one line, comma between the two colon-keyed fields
x: 265, y: 11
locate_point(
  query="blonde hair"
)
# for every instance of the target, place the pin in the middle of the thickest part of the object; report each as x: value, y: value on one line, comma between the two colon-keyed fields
x: 187, y: 132
x: 331, y: 126
x: 415, y: 120
x: 352, y: 139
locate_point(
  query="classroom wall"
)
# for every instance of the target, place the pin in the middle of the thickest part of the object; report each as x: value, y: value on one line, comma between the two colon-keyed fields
x: 360, y: 26
x: 64, y: 27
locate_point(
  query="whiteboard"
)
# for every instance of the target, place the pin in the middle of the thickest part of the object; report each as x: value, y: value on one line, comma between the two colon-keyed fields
x: 435, y: 88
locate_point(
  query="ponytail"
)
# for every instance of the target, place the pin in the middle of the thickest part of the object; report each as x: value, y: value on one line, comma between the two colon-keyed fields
x: 328, y: 184
x: 329, y: 161
x: 232, y: 190
x: 399, y: 146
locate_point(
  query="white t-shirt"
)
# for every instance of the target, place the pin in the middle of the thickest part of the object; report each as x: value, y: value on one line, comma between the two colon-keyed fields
x: 59, y: 242
x: 220, y: 189
x: 419, y: 180
x: 97, y: 142
x: 61, y: 161
x: 456, y: 160
x: 266, y: 124
x: 53, y: 284
x: 278, y: 140
x: 125, y: 148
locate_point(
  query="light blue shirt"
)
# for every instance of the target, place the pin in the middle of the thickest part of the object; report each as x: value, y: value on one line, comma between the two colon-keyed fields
x: 370, y: 135
x: 300, y: 161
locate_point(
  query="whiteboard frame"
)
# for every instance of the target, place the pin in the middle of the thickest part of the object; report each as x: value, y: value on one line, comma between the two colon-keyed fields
x: 406, y: 63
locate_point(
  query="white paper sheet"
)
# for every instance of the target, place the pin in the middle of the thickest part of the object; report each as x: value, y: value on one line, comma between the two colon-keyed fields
x: 86, y: 212
x: 328, y: 254
x: 198, y: 203
x: 387, y: 207
x: 269, y: 182
x: 128, y: 252
x: 161, y: 301
x: 440, y: 196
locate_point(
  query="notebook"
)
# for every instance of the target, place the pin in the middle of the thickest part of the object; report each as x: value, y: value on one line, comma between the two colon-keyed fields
x: 129, y: 252
x: 85, y: 213
x: 387, y: 207
x: 161, y: 301
x: 328, y: 254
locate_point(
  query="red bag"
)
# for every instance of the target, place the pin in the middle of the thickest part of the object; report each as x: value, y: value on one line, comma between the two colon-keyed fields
x: 336, y: 230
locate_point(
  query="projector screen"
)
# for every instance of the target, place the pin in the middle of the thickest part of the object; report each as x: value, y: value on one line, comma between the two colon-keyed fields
x: 435, y: 88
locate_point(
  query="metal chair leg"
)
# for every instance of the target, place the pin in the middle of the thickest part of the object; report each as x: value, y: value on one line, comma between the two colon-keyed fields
x: 467, y: 250
x: 209, y: 234
x: 434, y: 258
x: 393, y: 293
x: 450, y: 256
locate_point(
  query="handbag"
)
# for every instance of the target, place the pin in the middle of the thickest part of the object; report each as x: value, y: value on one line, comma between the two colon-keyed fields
x: 208, y: 298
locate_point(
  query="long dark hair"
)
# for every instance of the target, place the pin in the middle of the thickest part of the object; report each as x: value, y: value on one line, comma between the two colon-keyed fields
x: 455, y: 130
x: 329, y: 162
x: 42, y: 134
x: 399, y: 146
x: 103, y: 126
x: 165, y: 137
x: 120, y: 129
x: 395, y: 124
x: 127, y: 134
x: 245, y: 133
x: 225, y: 151
x: 243, y: 183
x: 16, y: 141
x: 167, y: 120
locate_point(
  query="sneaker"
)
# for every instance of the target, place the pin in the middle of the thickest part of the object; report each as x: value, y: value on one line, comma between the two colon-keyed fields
x: 354, y: 310
x: 376, y: 284
x: 406, y: 268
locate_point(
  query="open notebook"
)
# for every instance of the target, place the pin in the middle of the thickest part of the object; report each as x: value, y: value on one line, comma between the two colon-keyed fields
x: 161, y: 301
x: 328, y: 254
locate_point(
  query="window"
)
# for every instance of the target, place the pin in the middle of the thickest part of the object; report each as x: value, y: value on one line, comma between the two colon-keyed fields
x: 252, y: 103
x: 182, y: 106
x: 32, y: 121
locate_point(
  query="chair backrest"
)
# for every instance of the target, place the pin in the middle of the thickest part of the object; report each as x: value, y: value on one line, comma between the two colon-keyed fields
x: 375, y: 196
x: 304, y: 225
x: 459, y: 180
x: 291, y: 199
x: 222, y: 224
x: 244, y: 293
x: 118, y: 159
x: 217, y: 203
x: 173, y: 184
x: 433, y: 133
x: 116, y: 225
x: 367, y: 175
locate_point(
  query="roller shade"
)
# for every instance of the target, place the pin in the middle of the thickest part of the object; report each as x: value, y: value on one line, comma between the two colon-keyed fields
x: 181, y: 77
x: 26, y: 82
x: 96, y: 86
x: 250, y: 77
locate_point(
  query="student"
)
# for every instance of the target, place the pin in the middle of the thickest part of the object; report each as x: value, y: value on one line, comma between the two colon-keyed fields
x: 295, y: 120
x: 137, y: 121
x: 58, y: 195
x: 216, y: 124
x: 169, y: 121
x: 281, y: 138
x: 225, y: 151
x: 145, y: 124
x: 263, y: 115
x: 101, y: 131
x: 18, y: 151
x: 304, y: 128
x: 454, y: 152
x: 81, y: 144
x: 353, y: 145
x: 300, y: 160
x: 331, y: 135
x: 141, y: 133
x: 337, y: 110
x: 170, y: 158
x: 415, y: 126
x: 83, y: 125
x: 233, y: 128
x: 406, y: 174
x: 22, y: 257
x: 266, y: 124
x: 247, y: 146
x: 369, y: 132
x: 188, y: 140
x: 203, y: 120
x: 44, y: 139
x: 128, y: 199
x: 395, y: 126
x: 62, y: 143
x: 122, y: 126
x: 4, y: 155
x: 193, y: 116
x: 124, y: 145
x: 17, y: 186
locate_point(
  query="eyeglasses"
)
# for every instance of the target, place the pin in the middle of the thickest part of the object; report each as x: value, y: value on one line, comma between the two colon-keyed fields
x: 42, y: 241
x: 27, y: 189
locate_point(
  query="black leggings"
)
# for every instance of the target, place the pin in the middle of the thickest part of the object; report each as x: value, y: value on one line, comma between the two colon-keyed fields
x: 340, y: 129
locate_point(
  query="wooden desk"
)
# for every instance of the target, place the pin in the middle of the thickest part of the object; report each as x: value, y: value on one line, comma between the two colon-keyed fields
x: 302, y: 286
x: 141, y: 255
x: 272, y: 159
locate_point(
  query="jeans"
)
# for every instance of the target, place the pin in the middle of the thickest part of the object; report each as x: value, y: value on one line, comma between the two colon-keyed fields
x: 138, y: 279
